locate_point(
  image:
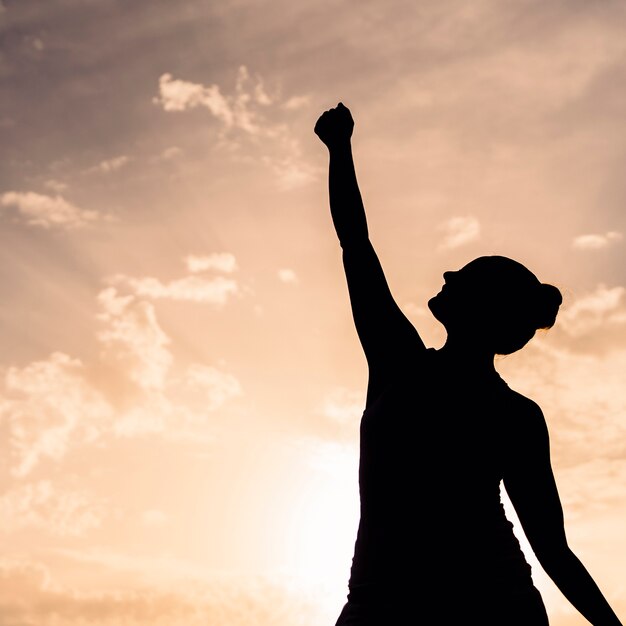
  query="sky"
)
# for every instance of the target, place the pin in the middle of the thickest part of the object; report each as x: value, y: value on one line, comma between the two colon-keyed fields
x: 180, y: 380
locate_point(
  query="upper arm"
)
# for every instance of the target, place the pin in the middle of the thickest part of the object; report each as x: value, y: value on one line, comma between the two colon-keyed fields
x: 530, y: 484
x: 385, y: 333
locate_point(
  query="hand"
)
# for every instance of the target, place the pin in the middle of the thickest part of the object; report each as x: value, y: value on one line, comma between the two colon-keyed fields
x: 334, y: 127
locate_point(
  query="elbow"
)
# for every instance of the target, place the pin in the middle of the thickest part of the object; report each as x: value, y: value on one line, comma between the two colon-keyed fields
x: 353, y: 241
x: 554, y: 557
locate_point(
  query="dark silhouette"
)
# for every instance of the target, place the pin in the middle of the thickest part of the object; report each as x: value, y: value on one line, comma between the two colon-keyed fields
x: 440, y: 431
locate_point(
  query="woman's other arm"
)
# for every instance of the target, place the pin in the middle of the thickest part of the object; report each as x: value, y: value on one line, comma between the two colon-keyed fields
x: 384, y: 331
x: 530, y: 483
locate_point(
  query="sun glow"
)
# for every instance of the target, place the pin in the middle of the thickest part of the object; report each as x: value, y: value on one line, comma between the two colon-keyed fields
x: 323, y: 521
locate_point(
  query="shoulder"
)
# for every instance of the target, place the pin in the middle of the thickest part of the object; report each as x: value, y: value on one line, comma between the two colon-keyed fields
x: 524, y: 417
x: 526, y: 442
x: 523, y: 405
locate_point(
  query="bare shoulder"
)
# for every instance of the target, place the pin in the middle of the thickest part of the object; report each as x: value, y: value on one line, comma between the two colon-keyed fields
x: 523, y: 405
x: 524, y: 416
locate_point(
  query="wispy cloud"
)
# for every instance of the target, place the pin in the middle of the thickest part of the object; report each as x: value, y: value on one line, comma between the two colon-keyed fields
x: 596, y: 241
x: 220, y: 261
x: 575, y: 373
x: 245, y: 117
x: 287, y: 275
x: 180, y: 95
x: 56, y: 185
x: 133, y: 338
x: 291, y: 171
x: 110, y: 165
x: 43, y: 506
x: 213, y: 386
x: 605, y: 305
x: 459, y: 231
x: 214, y: 290
x: 54, y: 405
x: 49, y: 406
x: 343, y: 406
x: 581, y: 394
x: 47, y: 211
x: 29, y: 594
x: 170, y: 153
x: 296, y: 102
x: 594, y: 485
x: 239, y: 111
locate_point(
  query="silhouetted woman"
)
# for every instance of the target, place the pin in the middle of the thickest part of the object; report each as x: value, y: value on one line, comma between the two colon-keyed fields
x: 440, y: 431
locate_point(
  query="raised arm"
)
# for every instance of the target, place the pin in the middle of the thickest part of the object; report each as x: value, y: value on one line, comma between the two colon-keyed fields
x: 529, y: 481
x: 386, y: 335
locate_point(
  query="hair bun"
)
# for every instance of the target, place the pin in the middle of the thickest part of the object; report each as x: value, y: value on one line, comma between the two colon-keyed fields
x: 549, y: 300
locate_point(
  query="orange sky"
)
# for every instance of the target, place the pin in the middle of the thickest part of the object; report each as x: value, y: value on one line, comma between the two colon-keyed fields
x: 181, y: 380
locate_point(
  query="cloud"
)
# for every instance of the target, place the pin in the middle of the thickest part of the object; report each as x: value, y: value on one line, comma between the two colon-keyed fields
x: 596, y: 242
x: 148, y: 415
x: 48, y: 406
x: 183, y: 407
x: 459, y: 230
x: 54, y: 405
x: 287, y: 275
x: 343, y: 406
x: 20, y: 574
x: 46, y: 211
x: 56, y: 185
x: 171, y: 153
x: 595, y: 485
x: 213, y: 386
x: 531, y: 74
x: 296, y: 102
x: 190, y: 288
x: 244, y: 118
x: 291, y: 171
x: 595, y: 310
x: 44, y: 507
x: 181, y: 95
x: 133, y: 338
x: 581, y: 394
x: 220, y: 261
x: 110, y: 165
x: 239, y: 111
x: 340, y: 410
x: 29, y: 594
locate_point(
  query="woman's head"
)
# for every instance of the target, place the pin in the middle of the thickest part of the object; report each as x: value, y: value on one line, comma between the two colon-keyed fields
x: 496, y: 301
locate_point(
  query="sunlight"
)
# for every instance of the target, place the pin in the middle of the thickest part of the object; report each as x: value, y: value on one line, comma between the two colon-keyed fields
x: 323, y: 521
x: 552, y: 597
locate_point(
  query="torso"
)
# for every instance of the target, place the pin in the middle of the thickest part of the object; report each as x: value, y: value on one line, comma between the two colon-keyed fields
x: 433, y: 447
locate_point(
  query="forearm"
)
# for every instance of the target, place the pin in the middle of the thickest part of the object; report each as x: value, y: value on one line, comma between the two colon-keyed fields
x: 346, y: 205
x: 577, y: 585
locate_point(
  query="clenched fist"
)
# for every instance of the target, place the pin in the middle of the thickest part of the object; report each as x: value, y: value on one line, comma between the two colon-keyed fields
x: 334, y: 127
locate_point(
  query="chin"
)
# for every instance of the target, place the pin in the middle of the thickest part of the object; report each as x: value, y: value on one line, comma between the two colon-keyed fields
x: 436, y: 308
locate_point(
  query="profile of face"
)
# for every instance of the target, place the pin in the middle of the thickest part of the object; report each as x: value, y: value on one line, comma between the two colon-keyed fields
x: 496, y: 300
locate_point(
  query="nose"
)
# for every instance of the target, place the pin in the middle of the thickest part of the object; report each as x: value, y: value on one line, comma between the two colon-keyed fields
x: 447, y: 276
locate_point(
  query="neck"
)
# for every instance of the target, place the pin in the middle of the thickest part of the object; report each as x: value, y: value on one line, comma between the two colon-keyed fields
x: 468, y: 356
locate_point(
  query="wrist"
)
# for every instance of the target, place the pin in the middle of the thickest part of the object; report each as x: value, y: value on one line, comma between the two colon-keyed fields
x: 342, y: 146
